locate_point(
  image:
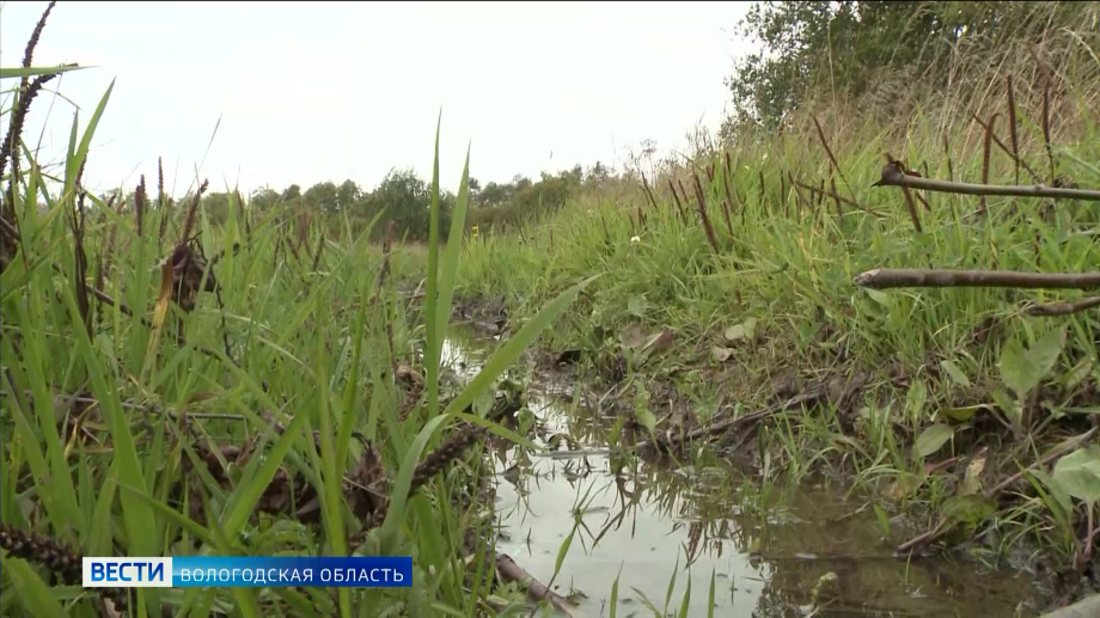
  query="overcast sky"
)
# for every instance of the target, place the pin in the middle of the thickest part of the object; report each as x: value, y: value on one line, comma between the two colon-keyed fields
x: 316, y: 91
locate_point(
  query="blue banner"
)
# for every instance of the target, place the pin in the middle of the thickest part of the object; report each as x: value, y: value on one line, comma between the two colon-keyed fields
x: 327, y: 571
x: 248, y: 571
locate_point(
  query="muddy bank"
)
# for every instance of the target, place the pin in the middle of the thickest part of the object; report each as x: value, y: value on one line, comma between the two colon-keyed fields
x: 882, y: 522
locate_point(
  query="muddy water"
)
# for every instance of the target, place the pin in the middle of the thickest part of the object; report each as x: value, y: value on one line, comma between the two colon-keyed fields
x: 647, y: 524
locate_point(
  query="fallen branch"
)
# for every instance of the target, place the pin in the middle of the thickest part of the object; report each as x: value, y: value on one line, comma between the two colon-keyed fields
x: 536, y: 591
x: 893, y: 176
x: 883, y: 278
x: 1064, y: 308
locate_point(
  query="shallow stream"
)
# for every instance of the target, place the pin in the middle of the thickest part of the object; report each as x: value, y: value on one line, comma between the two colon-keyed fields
x: 646, y: 523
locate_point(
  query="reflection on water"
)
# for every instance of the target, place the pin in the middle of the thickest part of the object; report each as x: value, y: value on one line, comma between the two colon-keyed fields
x: 646, y: 524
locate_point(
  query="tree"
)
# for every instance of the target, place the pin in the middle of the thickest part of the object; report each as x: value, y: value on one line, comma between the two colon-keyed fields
x: 323, y: 197
x: 851, y: 47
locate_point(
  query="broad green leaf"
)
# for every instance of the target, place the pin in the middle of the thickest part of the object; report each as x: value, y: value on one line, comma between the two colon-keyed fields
x: 637, y: 305
x: 1022, y: 370
x: 1079, y: 474
x: 957, y: 375
x: 744, y: 330
x: 1044, y: 353
x: 932, y: 439
x: 1015, y: 370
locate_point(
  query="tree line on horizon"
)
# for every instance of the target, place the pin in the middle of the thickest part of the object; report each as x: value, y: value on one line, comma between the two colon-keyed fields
x: 847, y: 48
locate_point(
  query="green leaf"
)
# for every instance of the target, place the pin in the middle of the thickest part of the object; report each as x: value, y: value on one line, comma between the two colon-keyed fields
x: 514, y: 348
x: 637, y: 305
x: 915, y: 400
x: 32, y: 591
x: 880, y: 297
x: 1044, y: 354
x: 642, y: 411
x: 956, y: 374
x: 1058, y: 494
x: 1079, y: 474
x: 451, y: 254
x: 244, y: 498
x: 614, y: 602
x: 710, y: 595
x: 1022, y: 370
x: 883, y: 519
x: 76, y: 159
x: 744, y: 330
x: 964, y: 413
x: 1015, y: 372
x: 20, y: 72
x: 399, y: 495
x: 431, y: 300
x: 932, y: 439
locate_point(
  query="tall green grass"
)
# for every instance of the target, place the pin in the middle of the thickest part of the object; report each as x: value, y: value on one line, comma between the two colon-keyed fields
x: 314, y: 347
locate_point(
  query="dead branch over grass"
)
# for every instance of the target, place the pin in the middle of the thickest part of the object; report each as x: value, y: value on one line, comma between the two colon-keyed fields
x: 894, y: 176
x: 885, y: 278
x: 1066, y: 308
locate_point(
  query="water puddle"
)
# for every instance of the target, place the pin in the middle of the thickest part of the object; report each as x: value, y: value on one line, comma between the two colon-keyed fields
x: 648, y: 524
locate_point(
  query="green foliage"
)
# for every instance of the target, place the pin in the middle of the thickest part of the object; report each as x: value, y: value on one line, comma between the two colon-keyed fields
x: 851, y: 48
x: 312, y: 347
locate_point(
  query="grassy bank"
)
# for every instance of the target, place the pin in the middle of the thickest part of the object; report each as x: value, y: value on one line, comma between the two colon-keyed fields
x: 176, y: 388
x: 268, y: 381
x: 728, y: 286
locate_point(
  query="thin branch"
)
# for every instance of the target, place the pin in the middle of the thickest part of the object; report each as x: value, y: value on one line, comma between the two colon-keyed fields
x: 836, y: 196
x: 536, y: 591
x: 1063, y: 308
x: 885, y: 278
x: 893, y: 176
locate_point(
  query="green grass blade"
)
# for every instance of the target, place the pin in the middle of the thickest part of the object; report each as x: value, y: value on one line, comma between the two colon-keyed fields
x: 431, y: 302
x: 33, y: 592
x: 250, y: 494
x: 451, y: 255
x: 400, y: 490
x: 21, y: 72
x: 510, y: 352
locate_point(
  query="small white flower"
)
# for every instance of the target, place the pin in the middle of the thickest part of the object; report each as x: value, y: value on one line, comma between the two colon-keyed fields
x: 635, y: 239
